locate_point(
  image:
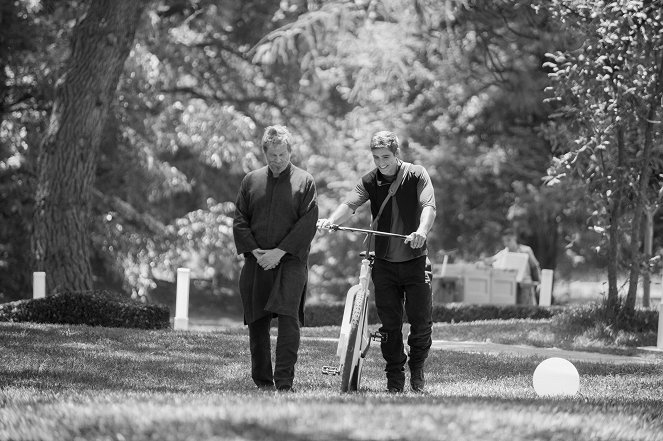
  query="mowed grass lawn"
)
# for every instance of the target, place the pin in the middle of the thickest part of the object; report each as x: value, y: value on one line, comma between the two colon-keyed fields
x: 87, y: 383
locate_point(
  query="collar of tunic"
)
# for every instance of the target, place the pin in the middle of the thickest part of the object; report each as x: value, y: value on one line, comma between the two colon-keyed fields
x: 286, y: 171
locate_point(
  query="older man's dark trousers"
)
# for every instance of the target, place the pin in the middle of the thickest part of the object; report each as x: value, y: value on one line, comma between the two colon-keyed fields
x: 287, y: 346
x: 403, y: 286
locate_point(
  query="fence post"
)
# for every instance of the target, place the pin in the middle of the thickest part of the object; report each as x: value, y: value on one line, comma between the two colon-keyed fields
x: 38, y: 285
x: 545, y: 295
x: 659, y: 342
x: 182, y: 300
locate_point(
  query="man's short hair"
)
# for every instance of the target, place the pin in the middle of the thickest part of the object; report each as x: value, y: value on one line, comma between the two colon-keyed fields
x: 276, y: 135
x: 385, y: 140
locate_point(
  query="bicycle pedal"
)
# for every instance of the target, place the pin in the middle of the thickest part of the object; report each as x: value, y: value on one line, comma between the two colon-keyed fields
x: 379, y: 336
x: 331, y: 370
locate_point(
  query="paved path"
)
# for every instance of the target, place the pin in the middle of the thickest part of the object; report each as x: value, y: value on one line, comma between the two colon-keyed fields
x: 650, y: 356
x: 642, y: 357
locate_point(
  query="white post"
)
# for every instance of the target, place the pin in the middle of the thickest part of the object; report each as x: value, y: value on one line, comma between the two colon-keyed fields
x: 38, y: 285
x: 445, y: 260
x: 659, y: 343
x: 182, y: 300
x: 545, y: 295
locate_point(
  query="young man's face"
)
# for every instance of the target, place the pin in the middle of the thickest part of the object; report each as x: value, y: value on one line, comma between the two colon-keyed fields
x: 385, y: 161
x: 277, y: 157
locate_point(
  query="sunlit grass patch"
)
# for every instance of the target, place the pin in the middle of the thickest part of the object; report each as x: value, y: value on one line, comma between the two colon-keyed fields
x: 68, y: 382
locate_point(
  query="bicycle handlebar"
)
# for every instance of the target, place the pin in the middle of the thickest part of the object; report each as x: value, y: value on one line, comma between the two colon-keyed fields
x: 335, y: 227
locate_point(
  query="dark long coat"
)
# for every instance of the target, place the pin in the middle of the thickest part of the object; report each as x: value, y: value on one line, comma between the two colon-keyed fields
x: 275, y: 212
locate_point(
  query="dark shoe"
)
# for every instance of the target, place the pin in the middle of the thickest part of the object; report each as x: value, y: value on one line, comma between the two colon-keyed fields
x: 284, y: 388
x: 417, y: 382
x: 265, y: 386
x: 396, y: 381
x: 395, y: 390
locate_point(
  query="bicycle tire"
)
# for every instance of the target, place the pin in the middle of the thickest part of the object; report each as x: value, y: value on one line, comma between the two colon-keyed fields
x: 352, y: 361
x: 356, y: 375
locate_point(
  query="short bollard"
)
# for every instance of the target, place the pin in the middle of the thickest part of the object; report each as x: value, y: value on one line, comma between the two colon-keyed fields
x: 38, y: 285
x: 182, y: 300
x: 659, y: 342
x: 545, y: 295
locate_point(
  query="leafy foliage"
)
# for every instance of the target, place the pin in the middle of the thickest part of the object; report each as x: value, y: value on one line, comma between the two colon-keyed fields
x: 461, y: 82
x: 608, y: 91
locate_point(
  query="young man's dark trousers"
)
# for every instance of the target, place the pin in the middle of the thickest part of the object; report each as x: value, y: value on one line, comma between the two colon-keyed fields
x: 287, y: 346
x: 398, y: 286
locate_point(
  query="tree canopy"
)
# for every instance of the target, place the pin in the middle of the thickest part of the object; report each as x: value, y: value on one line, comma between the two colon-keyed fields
x: 499, y: 100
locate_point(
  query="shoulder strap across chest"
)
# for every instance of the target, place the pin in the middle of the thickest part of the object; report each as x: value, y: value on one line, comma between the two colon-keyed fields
x: 393, y: 188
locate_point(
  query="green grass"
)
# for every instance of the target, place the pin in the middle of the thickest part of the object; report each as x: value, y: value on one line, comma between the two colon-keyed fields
x: 538, y: 333
x: 78, y: 382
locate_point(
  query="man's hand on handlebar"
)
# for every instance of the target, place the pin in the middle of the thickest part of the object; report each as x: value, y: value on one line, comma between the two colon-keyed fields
x: 324, y: 224
x: 416, y: 239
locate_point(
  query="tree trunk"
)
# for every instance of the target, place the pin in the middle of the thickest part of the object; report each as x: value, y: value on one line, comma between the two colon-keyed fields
x: 649, y: 248
x: 542, y: 222
x: 613, y: 259
x: 636, y: 261
x: 67, y: 158
x: 615, y: 208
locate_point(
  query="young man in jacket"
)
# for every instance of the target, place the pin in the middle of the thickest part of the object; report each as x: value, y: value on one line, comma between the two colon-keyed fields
x: 399, y: 275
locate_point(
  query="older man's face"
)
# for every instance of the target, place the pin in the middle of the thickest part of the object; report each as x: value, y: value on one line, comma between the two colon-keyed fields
x: 277, y: 157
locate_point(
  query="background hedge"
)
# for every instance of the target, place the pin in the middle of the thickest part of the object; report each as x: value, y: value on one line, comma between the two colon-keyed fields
x: 93, y: 308
x: 328, y: 314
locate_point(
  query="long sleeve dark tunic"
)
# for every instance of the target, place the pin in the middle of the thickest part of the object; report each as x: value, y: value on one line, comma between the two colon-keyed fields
x: 275, y: 212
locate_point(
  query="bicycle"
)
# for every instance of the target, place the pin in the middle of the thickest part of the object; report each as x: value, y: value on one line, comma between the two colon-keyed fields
x: 355, y: 339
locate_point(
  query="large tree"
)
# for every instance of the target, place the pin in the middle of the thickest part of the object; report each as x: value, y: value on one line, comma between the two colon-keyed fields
x: 67, y: 158
x: 610, y: 90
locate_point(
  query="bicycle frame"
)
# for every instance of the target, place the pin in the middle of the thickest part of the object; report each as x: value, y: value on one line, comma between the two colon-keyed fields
x: 355, y: 339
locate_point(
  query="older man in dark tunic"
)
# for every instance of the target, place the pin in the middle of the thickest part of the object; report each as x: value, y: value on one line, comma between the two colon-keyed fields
x: 274, y: 224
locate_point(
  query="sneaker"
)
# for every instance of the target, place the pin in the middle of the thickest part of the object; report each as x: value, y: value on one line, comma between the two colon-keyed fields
x: 284, y: 388
x: 417, y: 382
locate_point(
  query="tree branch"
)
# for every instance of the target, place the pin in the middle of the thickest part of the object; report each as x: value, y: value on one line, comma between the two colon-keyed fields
x: 240, y: 102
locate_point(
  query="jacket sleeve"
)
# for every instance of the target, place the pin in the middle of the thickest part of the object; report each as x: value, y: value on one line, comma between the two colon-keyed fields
x: 244, y: 240
x: 298, y: 239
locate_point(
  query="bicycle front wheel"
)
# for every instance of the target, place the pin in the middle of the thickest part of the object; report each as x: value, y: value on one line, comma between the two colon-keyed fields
x: 352, y: 361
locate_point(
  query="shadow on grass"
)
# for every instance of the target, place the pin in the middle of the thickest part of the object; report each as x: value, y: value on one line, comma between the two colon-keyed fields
x: 82, y: 357
x: 61, y: 357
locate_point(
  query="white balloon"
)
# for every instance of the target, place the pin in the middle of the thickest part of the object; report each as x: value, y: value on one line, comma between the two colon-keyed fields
x: 556, y: 377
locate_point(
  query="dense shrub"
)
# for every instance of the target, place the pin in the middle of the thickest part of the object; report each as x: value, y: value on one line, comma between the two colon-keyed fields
x: 463, y: 312
x: 591, y: 322
x: 95, y: 308
x: 581, y: 317
x: 326, y: 314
